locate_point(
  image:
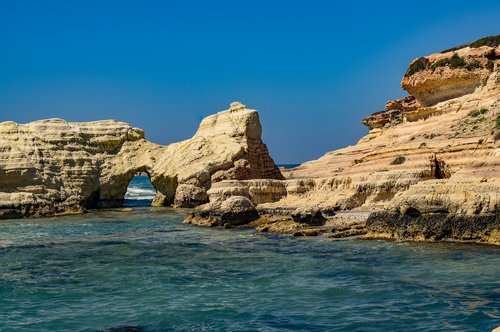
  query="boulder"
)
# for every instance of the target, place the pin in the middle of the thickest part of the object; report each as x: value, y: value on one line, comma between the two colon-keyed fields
x: 234, y: 211
x: 238, y: 210
x: 188, y: 195
x: 308, y: 215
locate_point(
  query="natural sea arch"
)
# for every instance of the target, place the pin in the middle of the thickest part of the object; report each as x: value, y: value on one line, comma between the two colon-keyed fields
x: 113, y: 188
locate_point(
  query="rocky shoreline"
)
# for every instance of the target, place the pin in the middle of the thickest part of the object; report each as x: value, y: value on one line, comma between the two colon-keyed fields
x: 434, y: 227
x: 482, y: 229
x: 428, y: 169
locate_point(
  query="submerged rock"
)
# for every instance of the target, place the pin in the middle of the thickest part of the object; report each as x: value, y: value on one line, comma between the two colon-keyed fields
x: 126, y: 328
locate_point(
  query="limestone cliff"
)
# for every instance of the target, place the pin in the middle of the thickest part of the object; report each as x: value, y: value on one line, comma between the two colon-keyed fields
x: 448, y: 75
x: 52, y: 166
x: 429, y: 164
x: 427, y: 170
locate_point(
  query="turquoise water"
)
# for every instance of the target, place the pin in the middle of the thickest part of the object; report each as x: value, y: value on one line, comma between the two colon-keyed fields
x: 146, y: 271
x: 143, y: 269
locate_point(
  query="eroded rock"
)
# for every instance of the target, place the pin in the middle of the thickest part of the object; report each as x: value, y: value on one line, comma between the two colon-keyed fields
x: 54, y: 167
x: 434, y: 226
x: 451, y: 74
x: 234, y: 211
x: 308, y: 215
x: 430, y: 164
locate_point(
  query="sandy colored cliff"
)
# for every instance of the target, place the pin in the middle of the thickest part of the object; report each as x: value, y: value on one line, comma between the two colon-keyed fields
x: 428, y: 169
x: 52, y: 166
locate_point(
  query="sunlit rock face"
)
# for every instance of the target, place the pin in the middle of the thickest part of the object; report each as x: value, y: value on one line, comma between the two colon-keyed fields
x: 443, y: 76
x: 429, y: 166
x: 53, y: 166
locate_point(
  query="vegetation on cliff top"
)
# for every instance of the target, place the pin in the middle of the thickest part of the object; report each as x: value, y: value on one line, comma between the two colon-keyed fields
x: 492, y: 41
x: 455, y: 61
x: 420, y: 64
x: 423, y: 63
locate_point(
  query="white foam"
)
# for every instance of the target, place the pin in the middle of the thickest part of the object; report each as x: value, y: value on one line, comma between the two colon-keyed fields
x: 139, y: 193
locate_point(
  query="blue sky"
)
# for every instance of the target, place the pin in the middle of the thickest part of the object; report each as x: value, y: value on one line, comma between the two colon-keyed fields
x: 313, y: 69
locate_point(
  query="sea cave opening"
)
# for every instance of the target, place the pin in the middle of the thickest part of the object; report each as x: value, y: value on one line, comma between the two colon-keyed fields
x: 140, y: 191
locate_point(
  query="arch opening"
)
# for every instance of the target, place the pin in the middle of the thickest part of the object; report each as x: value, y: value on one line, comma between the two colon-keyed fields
x: 136, y: 187
x: 140, y: 191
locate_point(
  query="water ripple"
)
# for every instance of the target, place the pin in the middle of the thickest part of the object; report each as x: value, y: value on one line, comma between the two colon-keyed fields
x: 142, y: 271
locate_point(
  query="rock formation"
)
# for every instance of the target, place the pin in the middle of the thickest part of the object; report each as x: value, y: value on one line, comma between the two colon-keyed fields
x: 427, y: 170
x: 236, y: 210
x: 55, y: 167
x: 448, y: 75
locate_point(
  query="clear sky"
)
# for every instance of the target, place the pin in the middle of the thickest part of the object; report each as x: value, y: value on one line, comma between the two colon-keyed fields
x: 313, y: 69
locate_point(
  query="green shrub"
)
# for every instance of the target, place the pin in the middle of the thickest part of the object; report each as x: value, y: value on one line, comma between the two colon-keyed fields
x: 472, y: 65
x: 417, y: 65
x: 441, y: 63
x: 493, y: 41
x: 457, y: 62
x: 454, y: 62
x: 477, y: 113
x: 398, y: 161
x: 490, y: 65
x: 497, y: 136
x: 497, y: 126
x: 473, y: 122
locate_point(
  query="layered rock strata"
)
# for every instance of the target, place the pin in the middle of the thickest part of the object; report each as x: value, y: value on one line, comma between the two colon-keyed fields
x: 429, y: 168
x: 448, y: 75
x: 52, y: 166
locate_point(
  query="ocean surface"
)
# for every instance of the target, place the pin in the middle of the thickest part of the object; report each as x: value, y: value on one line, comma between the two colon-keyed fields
x: 145, y: 271
x: 140, y: 192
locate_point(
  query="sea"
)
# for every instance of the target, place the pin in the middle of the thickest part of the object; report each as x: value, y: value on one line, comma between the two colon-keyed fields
x: 140, y: 192
x: 141, y: 269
